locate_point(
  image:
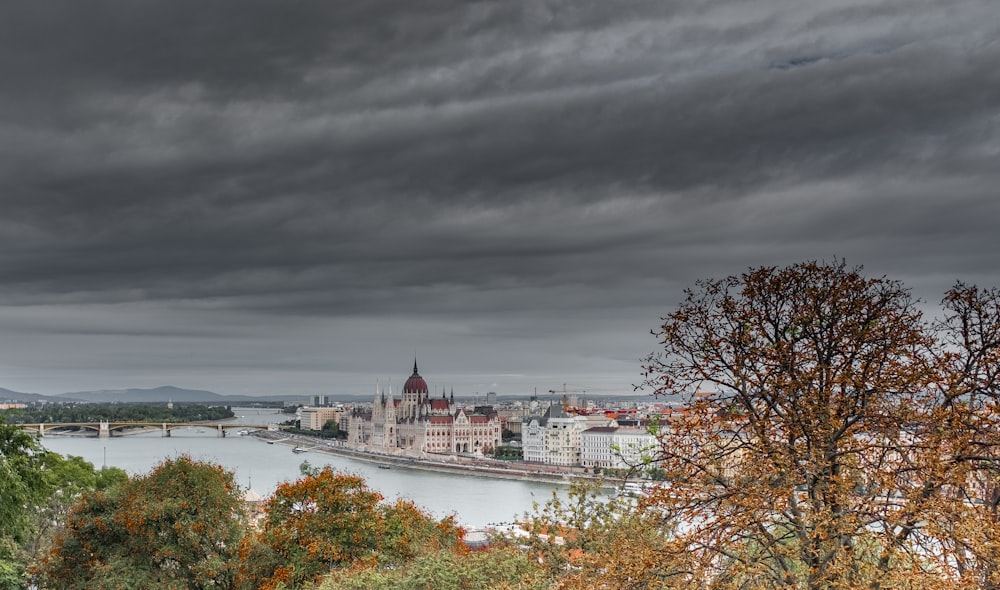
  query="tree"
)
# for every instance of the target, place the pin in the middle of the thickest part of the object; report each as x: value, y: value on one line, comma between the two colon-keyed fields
x: 22, y: 489
x: 966, y: 427
x: 498, y: 569
x: 829, y: 431
x: 410, y: 533
x: 589, y: 540
x: 324, y: 519
x: 331, y: 427
x: 67, y: 479
x: 36, y: 489
x: 177, y: 527
x: 329, y: 520
x: 21, y: 482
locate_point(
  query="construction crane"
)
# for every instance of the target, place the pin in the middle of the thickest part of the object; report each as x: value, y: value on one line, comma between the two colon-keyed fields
x: 565, y: 396
x: 564, y: 391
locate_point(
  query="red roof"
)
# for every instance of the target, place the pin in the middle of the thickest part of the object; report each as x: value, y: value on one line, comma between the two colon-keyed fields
x: 416, y: 383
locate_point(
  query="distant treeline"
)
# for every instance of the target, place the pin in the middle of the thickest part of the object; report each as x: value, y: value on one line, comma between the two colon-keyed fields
x: 118, y: 413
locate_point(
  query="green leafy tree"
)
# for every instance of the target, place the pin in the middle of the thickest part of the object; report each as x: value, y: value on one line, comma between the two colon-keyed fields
x: 177, y: 527
x: 22, y: 489
x: 21, y: 482
x: 121, y: 413
x: 497, y: 569
x: 67, y: 479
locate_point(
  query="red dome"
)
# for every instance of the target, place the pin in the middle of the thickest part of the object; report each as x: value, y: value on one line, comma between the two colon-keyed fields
x: 416, y: 383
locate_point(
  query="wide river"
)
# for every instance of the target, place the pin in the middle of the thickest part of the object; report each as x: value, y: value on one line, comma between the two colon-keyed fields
x: 475, y: 501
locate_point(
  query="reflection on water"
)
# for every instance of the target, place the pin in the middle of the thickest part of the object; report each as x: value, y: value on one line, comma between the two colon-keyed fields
x: 477, y: 501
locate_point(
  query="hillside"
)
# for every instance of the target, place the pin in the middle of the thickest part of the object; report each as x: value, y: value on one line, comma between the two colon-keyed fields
x: 161, y: 394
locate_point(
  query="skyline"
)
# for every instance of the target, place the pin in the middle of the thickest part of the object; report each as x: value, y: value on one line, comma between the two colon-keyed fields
x: 276, y: 198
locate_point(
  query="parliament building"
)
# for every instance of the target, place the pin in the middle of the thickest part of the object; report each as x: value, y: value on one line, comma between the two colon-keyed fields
x: 418, y: 424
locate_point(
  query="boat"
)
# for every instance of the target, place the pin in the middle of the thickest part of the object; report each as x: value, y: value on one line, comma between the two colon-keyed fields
x: 638, y: 490
x: 300, y: 450
x: 382, y: 466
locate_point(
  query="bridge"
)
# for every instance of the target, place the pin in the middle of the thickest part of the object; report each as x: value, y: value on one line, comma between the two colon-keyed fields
x: 106, y: 429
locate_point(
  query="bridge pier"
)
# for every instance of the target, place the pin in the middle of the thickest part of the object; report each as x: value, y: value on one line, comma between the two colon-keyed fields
x: 105, y: 430
x: 41, y: 431
x: 222, y: 431
x: 166, y: 431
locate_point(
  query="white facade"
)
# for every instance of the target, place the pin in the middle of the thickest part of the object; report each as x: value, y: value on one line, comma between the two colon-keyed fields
x: 562, y: 440
x: 553, y: 439
x: 533, y: 441
x: 634, y: 446
x: 595, y: 447
x: 617, y: 448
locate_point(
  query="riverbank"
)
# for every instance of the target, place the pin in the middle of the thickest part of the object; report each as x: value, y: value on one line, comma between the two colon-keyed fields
x: 473, y: 467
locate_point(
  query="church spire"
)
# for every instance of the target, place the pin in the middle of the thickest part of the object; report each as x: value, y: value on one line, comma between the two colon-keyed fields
x: 414, y: 365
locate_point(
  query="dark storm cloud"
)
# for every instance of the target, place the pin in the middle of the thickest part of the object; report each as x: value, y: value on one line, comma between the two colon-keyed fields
x: 521, y: 169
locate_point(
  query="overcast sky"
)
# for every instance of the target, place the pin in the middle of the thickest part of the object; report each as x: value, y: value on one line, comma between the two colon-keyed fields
x: 301, y: 196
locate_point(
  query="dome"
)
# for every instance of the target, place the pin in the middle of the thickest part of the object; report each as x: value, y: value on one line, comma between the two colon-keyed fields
x: 416, y: 383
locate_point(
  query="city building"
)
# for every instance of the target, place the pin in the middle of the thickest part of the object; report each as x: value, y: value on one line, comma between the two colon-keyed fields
x: 420, y: 424
x: 617, y: 447
x: 314, y: 418
x: 553, y: 438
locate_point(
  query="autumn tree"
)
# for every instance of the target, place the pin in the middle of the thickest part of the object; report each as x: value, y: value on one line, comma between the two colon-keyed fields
x: 178, y: 526
x: 964, y: 427
x: 589, y: 540
x: 831, y: 431
x: 409, y: 533
x: 328, y: 520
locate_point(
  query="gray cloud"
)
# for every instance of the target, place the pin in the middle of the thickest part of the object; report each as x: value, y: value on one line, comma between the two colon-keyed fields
x: 512, y: 188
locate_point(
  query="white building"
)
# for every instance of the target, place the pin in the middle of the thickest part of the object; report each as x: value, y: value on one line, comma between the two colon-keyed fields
x: 533, y: 439
x: 617, y: 448
x: 553, y: 439
x: 595, y: 446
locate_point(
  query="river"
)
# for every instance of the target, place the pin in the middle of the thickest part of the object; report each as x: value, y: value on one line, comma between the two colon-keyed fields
x: 475, y: 501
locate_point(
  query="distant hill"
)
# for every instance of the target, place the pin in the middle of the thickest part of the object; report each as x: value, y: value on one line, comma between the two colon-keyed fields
x: 168, y: 393
x: 157, y: 394
x: 20, y: 396
x: 162, y: 394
